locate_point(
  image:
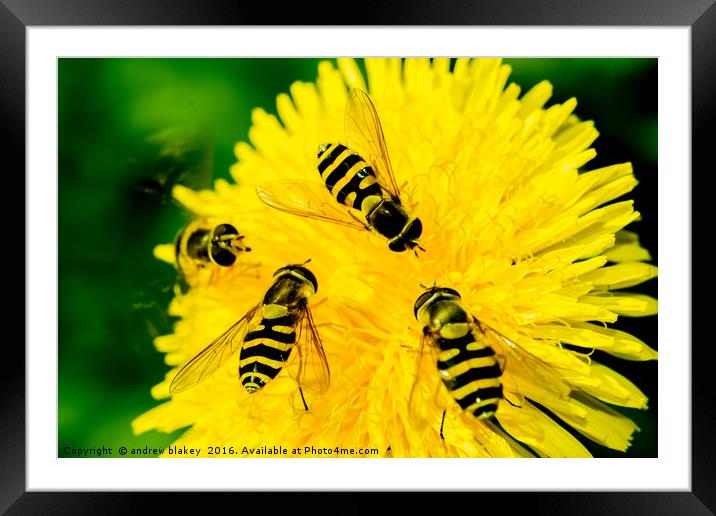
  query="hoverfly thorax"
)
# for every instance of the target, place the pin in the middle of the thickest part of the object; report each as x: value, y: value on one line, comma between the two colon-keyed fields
x: 388, y: 218
x: 196, y: 243
x: 292, y: 286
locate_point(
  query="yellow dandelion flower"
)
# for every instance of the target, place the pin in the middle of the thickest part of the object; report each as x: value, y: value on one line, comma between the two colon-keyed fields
x: 511, y: 221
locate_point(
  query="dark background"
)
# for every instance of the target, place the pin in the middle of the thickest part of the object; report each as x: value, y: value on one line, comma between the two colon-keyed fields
x: 114, y: 208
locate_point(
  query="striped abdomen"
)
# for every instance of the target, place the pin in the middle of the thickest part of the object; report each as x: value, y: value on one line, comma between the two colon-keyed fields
x: 470, y: 371
x: 347, y: 176
x: 265, y: 350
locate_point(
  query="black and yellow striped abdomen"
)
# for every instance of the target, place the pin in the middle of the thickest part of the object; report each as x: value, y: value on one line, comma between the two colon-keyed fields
x: 267, y: 347
x: 470, y: 371
x: 348, y: 177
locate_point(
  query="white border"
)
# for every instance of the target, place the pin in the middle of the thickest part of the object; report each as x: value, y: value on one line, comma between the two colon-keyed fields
x: 670, y: 471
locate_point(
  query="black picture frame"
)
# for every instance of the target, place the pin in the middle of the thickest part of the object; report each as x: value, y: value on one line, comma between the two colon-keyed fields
x: 700, y: 15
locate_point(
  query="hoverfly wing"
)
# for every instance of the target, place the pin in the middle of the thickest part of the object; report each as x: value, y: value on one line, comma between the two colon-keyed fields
x: 177, y: 155
x: 191, y: 153
x: 530, y: 366
x: 149, y: 306
x: 313, y: 372
x: 207, y: 361
x: 426, y: 386
x: 306, y: 199
x: 364, y: 134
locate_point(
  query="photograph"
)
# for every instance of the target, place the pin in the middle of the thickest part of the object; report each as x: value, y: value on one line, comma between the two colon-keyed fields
x: 419, y: 257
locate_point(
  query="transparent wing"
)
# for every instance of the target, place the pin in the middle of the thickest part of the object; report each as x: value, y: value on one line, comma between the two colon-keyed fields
x: 149, y: 305
x: 364, y: 134
x: 213, y: 356
x: 191, y: 151
x: 524, y: 364
x: 426, y: 386
x: 307, y: 199
x: 177, y: 155
x: 313, y: 372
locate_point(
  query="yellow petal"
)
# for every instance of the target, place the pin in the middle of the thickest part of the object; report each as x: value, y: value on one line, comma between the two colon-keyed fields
x: 620, y: 276
x: 627, y: 248
x: 601, y: 424
x: 351, y: 73
x: 534, y: 428
x: 614, y: 388
x: 591, y: 336
x: 632, y: 305
x: 165, y: 253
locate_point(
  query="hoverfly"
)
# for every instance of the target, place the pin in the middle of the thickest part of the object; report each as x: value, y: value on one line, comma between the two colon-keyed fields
x: 177, y: 155
x: 464, y: 351
x: 467, y: 364
x: 358, y: 176
x: 203, y: 243
x: 266, y: 335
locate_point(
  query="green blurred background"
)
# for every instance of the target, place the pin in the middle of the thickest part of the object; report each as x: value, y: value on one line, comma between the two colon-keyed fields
x: 114, y: 208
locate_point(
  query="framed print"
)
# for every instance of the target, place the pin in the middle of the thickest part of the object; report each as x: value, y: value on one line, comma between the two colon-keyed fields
x: 469, y: 275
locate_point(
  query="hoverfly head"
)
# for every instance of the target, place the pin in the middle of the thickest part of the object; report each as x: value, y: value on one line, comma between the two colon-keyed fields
x: 225, y: 245
x: 408, y: 237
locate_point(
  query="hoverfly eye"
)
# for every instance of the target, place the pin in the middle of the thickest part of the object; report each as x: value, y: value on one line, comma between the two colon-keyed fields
x: 225, y: 229
x: 308, y: 275
x: 451, y: 292
x: 422, y: 299
x: 415, y: 229
x: 397, y: 245
x: 222, y: 256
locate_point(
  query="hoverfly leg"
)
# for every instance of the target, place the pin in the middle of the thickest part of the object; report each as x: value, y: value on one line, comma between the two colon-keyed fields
x: 359, y: 221
x: 442, y: 425
x: 214, y: 276
x: 303, y: 399
x: 508, y: 401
